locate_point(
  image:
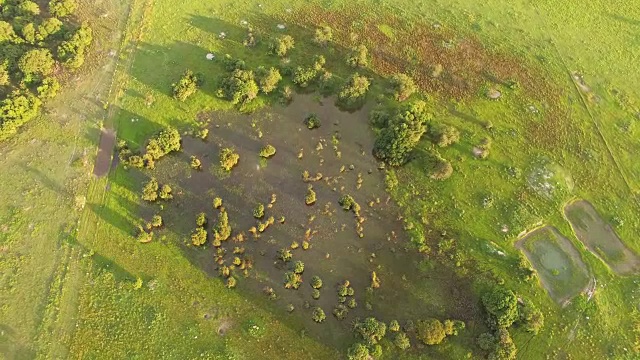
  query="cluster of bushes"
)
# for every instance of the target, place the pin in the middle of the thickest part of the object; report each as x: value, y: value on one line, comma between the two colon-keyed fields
x: 403, y: 86
x: 370, y: 331
x: 152, y: 191
x: 503, y: 311
x: 353, y: 92
x: 222, y: 228
x: 186, y: 86
x: 167, y: 141
x: 32, y: 42
x: 400, y: 133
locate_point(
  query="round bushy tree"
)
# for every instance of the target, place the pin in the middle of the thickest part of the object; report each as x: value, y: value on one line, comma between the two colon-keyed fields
x: 502, y: 306
x: 403, y: 86
x: 36, y: 62
x: 430, y: 331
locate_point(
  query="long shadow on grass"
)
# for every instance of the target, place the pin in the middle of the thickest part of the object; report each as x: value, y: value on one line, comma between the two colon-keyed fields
x: 45, y: 180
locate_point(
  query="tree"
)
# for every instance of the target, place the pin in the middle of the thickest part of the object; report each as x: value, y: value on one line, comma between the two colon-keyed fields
x: 285, y: 255
x: 186, y: 86
x: 298, y: 267
x: 228, y: 159
x: 150, y: 190
x: 358, y: 351
x: 36, y: 62
x: 316, y: 282
x: 323, y: 35
x: 4, y: 73
x: 48, y: 27
x: 167, y: 141
x: 403, y: 86
x: 318, y: 315
x: 292, y: 280
x: 165, y: 192
x: 371, y: 330
x: 29, y: 8
x: 15, y: 110
x: 240, y: 87
x: 358, y: 56
x: 402, y: 341
x: 62, y: 8
x: 531, y: 317
x: 267, y: 151
x: 310, y: 198
x: 354, y: 90
x: 48, y: 88
x: 303, y: 76
x: 395, y: 142
x: 268, y: 79
x: 441, y: 168
x: 504, y: 349
x: 29, y: 33
x: 444, y: 135
x: 453, y: 327
x: 502, y: 306
x: 282, y: 44
x: 7, y: 33
x: 394, y: 326
x: 312, y: 121
x: 199, y: 236
x: 72, y: 50
x: 222, y: 229
x: 347, y: 202
x: 195, y: 163
x: 201, y: 219
x: 258, y: 212
x: 430, y: 331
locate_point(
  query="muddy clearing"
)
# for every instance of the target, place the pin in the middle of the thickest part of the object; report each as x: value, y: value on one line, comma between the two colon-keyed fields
x: 600, y: 238
x: 338, y: 155
x: 105, y: 152
x: 558, y: 263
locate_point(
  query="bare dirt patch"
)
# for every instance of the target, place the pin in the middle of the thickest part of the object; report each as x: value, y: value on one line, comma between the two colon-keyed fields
x: 105, y: 152
x: 558, y: 263
x: 600, y: 238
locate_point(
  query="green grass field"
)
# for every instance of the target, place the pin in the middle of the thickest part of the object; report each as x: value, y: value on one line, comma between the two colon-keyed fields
x: 74, y: 283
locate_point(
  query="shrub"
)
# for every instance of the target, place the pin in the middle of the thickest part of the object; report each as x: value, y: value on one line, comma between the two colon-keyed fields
x: 240, y: 87
x: 531, y: 317
x: 231, y: 64
x: 354, y: 90
x: 199, y: 236
x: 358, y: 56
x: 165, y: 192
x: 394, y: 326
x: 258, y: 212
x: 281, y: 45
x: 318, y: 62
x: 202, y: 133
x: 323, y: 35
x: 292, y: 280
x: 167, y: 141
x: 186, y: 86
x: 371, y: 330
x: 347, y: 202
x: 268, y: 79
x: 228, y: 159
x: 285, y: 255
x: 340, y: 312
x: 318, y: 315
x: 504, y: 348
x: 222, y: 229
x: 143, y: 236
x: 316, y: 282
x: 267, y: 151
x: 430, y: 331
x: 402, y: 341
x: 453, y: 327
x: 312, y: 121
x: 36, y: 62
x: 352, y: 304
x: 150, y: 190
x: 48, y: 88
x: 62, y: 8
x: 298, y: 267
x: 304, y: 76
x: 15, y: 110
x: 4, y: 72
x: 403, y: 86
x: 444, y: 135
x: 441, y: 169
x: 358, y: 351
x: 315, y: 294
x: 231, y: 282
x: 195, y: 163
x: 310, y: 198
x: 72, y: 50
x: 217, y: 202
x: 201, y: 219
x: 395, y: 142
x: 502, y: 306
x: 156, y: 221
x: 486, y: 341
x: 375, y: 281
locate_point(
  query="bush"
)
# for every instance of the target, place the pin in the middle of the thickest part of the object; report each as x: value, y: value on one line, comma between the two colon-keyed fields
x: 292, y: 280
x: 354, y: 90
x: 316, y: 282
x: 441, y: 169
x: 504, y: 348
x: 394, y: 326
x: 201, y: 219
x: 285, y: 255
x: 199, y: 236
x: 347, y: 202
x: 402, y: 341
x: 258, y: 212
x: 298, y: 267
x: 310, y: 198
x: 267, y: 151
x: 531, y: 317
x: 72, y: 50
x: 186, y: 86
x: 340, y: 312
x: 395, y: 143
x: 281, y: 45
x: 323, y: 35
x: 4, y: 72
x: 195, y: 163
x: 165, y: 192
x: 167, y: 141
x: 453, y: 327
x: 222, y: 229
x: 217, y: 202
x: 358, y: 56
x: 486, y: 341
x: 156, y: 221
x: 48, y: 88
x: 375, y: 281
x: 430, y: 331
x: 371, y: 330
x: 318, y: 62
x: 143, y: 236
x: 150, y: 190
x: 268, y: 79
x: 502, y: 306
x: 231, y: 282
x: 444, y: 135
x: 312, y: 121
x: 351, y: 303
x: 36, y: 62
x: 358, y: 351
x: 62, y: 8
x: 318, y: 315
x: 403, y: 86
x: 228, y: 159
x: 240, y: 87
x: 304, y: 76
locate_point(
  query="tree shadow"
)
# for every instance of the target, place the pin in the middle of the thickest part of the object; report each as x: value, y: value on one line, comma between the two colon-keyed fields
x: 45, y: 180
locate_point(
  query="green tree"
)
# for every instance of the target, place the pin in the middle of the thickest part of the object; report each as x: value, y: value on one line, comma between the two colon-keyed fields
x: 292, y: 280
x: 199, y: 236
x: 222, y: 229
x: 36, y: 62
x: 268, y: 79
x: 267, y: 151
x: 186, y: 86
x: 358, y: 351
x: 318, y: 315
x: 62, y: 8
x: 298, y: 267
x: 430, y: 331
x: 304, y: 76
x: 371, y: 330
x: 4, y: 73
x: 150, y: 190
x: 282, y: 44
x: 505, y: 349
x: 354, y: 90
x: 15, y: 110
x: 48, y: 27
x: 403, y: 86
x: 240, y: 87
x: 316, y: 282
x: 29, y: 33
x: 228, y: 159
x: 7, y: 33
x: 72, y: 50
x: 48, y: 88
x: 502, y: 306
x: 402, y: 341
x: 358, y: 57
x: 531, y: 317
x: 29, y: 8
x: 323, y: 35
x: 395, y: 143
x: 167, y: 141
x: 444, y: 135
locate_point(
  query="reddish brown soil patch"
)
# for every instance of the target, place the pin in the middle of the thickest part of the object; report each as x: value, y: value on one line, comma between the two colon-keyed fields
x: 105, y: 151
